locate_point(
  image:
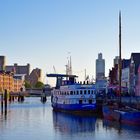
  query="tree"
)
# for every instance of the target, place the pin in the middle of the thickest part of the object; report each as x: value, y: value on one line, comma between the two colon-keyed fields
x: 39, y: 85
x: 27, y: 84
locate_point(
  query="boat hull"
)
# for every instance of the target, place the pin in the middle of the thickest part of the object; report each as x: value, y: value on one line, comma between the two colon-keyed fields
x: 74, y: 107
x: 126, y: 117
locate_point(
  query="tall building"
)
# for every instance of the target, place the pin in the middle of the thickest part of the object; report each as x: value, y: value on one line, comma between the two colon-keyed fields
x: 116, y: 60
x: 100, y: 67
x: 2, y: 63
x: 20, y: 69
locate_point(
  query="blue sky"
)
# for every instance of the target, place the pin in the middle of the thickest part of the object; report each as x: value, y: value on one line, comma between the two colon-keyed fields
x: 42, y: 32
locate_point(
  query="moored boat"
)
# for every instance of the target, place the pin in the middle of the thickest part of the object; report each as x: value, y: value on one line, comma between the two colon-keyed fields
x: 68, y: 95
x: 125, y: 115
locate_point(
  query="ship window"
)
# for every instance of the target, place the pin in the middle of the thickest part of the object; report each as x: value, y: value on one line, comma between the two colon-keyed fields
x: 80, y: 91
x: 80, y: 101
x: 71, y: 92
x: 88, y: 91
x: 90, y: 101
x: 85, y: 92
x: 77, y: 92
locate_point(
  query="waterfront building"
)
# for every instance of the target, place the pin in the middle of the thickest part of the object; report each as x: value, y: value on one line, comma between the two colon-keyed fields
x: 100, y: 67
x: 2, y: 63
x: 8, y: 82
x: 19, y: 82
x: 113, y: 75
x: 126, y: 73
x: 19, y: 69
x: 134, y: 65
x: 35, y: 76
x: 138, y: 83
x: 126, y: 78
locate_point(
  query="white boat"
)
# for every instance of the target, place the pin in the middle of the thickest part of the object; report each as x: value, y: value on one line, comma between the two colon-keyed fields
x: 68, y: 95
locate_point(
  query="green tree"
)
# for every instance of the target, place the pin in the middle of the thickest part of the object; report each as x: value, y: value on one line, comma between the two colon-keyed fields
x: 27, y: 84
x: 39, y: 85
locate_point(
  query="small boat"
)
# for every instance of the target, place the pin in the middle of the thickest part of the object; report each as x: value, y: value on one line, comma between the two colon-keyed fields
x: 125, y: 114
x: 68, y: 95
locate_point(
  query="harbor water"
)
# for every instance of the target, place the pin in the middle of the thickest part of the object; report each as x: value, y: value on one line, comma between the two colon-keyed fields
x: 32, y: 120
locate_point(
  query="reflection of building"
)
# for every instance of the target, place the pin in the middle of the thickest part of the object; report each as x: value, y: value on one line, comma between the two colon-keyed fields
x: 100, y: 67
x: 35, y: 76
x: 19, y: 69
x: 2, y: 63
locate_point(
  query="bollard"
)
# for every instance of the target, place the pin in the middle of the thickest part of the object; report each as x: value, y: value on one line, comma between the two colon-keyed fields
x: 2, y: 103
x: 22, y: 98
x: 43, y: 98
x: 5, y: 99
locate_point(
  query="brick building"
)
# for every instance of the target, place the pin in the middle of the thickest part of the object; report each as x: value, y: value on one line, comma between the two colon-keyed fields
x: 8, y: 82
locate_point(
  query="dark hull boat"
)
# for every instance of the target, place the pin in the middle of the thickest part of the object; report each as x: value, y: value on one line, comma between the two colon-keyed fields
x: 124, y: 115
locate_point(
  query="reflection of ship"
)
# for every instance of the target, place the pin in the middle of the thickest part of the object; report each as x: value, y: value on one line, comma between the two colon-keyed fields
x: 71, y: 96
x: 68, y: 123
x: 118, y: 126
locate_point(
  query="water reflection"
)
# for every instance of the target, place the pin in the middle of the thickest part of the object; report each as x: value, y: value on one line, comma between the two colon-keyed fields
x: 68, y: 123
x: 118, y: 126
x: 35, y: 121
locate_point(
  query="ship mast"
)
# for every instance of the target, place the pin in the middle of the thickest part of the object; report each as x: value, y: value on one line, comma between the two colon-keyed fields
x: 120, y: 57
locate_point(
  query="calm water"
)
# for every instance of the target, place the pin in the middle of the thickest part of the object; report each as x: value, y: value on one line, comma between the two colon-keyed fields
x: 33, y: 120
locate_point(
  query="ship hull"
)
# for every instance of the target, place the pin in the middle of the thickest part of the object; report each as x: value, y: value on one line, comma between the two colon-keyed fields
x: 125, y: 117
x: 74, y: 107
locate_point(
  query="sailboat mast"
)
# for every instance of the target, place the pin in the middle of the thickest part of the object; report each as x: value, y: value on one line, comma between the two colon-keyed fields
x: 120, y: 57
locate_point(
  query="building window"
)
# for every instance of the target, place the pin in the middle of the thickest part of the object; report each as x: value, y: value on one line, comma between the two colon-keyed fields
x: 80, y: 91
x: 88, y: 91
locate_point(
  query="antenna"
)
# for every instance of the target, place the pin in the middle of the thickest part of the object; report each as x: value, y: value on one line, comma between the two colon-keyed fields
x: 54, y: 69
